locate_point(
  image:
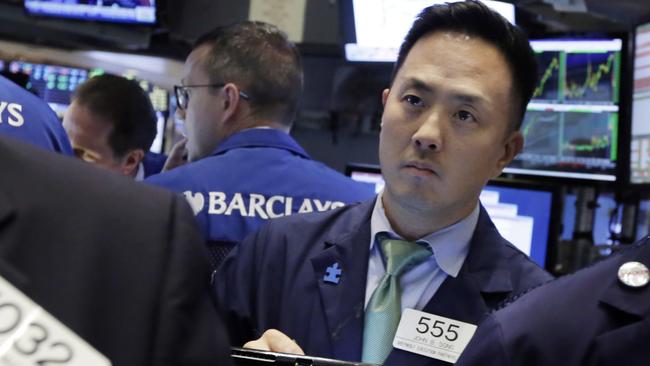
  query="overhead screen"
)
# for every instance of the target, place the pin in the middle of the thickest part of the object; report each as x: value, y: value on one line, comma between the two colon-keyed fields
x: 571, y: 125
x: 116, y: 11
x: 55, y: 85
x: 378, y: 28
x: 640, y: 147
x: 523, y: 213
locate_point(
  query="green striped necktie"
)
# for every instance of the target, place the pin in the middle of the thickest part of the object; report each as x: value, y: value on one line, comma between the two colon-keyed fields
x: 384, y: 309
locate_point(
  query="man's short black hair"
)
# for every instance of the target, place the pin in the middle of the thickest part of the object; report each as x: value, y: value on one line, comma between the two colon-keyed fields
x: 476, y: 19
x: 260, y: 59
x: 125, y: 105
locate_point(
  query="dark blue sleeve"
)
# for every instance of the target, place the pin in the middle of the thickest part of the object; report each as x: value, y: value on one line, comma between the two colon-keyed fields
x: 486, y: 347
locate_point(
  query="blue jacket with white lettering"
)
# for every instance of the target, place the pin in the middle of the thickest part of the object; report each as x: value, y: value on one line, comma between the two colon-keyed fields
x: 27, y: 118
x: 255, y: 175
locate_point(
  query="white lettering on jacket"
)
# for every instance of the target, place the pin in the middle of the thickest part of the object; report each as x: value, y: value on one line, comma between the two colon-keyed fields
x: 254, y: 204
x: 11, y: 113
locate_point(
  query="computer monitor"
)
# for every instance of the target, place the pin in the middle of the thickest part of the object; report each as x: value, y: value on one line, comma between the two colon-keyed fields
x: 114, y: 11
x: 526, y: 213
x: 640, y: 136
x: 52, y: 83
x: 571, y: 126
x: 373, y: 30
x: 366, y: 173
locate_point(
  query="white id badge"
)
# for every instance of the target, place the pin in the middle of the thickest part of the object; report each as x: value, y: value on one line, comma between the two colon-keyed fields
x: 29, y: 335
x: 432, y: 335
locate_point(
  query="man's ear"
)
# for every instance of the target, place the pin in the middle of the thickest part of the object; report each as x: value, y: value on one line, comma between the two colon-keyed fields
x: 384, y: 96
x: 131, y: 162
x: 231, y: 100
x: 513, y: 146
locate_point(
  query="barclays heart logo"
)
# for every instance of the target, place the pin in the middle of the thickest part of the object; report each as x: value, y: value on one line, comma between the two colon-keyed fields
x: 196, y: 200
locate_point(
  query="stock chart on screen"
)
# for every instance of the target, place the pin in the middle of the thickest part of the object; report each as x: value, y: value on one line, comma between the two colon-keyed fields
x: 571, y: 124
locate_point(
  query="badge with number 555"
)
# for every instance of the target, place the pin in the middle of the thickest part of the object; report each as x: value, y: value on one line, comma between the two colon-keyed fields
x: 432, y: 335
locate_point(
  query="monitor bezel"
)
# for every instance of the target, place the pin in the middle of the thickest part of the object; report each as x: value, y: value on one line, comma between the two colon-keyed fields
x: 555, y: 218
x: 133, y: 24
x: 641, y: 188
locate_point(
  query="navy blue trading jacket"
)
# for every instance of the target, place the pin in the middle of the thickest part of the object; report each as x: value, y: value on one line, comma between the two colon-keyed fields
x: 275, y: 279
x: 587, y: 318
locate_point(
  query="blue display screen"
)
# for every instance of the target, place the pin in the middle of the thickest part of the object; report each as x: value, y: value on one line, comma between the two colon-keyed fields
x: 117, y: 11
x: 523, y: 216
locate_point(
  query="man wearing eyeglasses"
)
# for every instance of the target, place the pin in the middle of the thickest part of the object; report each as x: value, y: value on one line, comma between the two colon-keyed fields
x: 238, y: 97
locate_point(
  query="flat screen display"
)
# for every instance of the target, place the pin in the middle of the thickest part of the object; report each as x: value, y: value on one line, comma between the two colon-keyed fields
x: 640, y: 146
x: 521, y: 212
x: 116, y: 11
x: 379, y: 26
x: 571, y: 126
x: 52, y: 83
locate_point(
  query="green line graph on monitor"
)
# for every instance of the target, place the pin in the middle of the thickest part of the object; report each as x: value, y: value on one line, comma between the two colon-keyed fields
x: 570, y: 134
x: 548, y: 85
x: 592, y: 77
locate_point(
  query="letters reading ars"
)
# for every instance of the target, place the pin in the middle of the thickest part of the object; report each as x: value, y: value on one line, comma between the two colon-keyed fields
x: 11, y: 113
x: 255, y: 205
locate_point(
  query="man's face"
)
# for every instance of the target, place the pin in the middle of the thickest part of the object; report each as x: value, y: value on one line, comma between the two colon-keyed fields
x: 203, y: 125
x: 89, y: 135
x: 445, y: 125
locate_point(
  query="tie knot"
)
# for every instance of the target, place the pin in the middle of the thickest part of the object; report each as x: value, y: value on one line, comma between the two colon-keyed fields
x: 401, y: 255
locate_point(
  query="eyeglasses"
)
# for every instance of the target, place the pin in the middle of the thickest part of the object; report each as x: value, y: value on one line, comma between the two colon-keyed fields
x: 183, y: 95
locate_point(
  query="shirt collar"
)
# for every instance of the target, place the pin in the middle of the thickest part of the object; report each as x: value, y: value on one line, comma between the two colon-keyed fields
x: 450, y: 245
x: 139, y: 176
x: 261, y: 137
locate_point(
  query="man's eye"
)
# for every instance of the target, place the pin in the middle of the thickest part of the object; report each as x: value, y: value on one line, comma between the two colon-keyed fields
x: 465, y: 116
x: 413, y: 100
x: 78, y: 152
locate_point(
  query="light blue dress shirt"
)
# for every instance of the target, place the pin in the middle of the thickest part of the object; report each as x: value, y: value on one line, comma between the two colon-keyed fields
x: 449, y: 245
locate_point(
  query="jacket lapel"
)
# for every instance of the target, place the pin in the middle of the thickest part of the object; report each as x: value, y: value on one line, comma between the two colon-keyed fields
x: 626, y: 299
x: 343, y: 299
x: 482, y: 281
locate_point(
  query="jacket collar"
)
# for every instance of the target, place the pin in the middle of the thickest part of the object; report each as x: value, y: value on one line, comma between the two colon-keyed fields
x: 621, y: 297
x: 484, y: 272
x: 261, y: 137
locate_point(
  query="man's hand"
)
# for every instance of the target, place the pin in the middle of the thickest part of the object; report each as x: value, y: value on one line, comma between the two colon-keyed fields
x: 275, y: 341
x: 177, y: 156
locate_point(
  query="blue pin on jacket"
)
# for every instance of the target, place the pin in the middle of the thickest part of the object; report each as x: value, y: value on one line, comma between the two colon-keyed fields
x: 333, y: 274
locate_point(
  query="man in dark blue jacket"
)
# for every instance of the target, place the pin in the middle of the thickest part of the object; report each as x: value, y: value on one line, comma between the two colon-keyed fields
x: 240, y: 91
x: 27, y: 118
x: 596, y: 316
x: 403, y: 279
